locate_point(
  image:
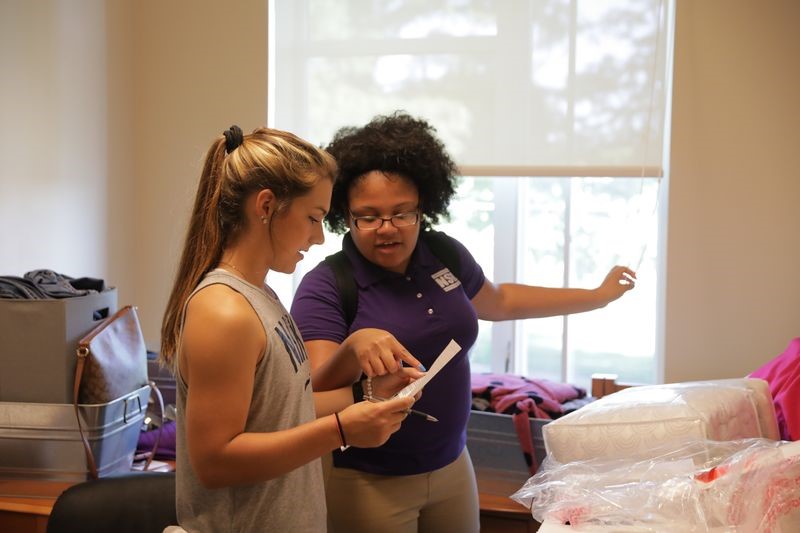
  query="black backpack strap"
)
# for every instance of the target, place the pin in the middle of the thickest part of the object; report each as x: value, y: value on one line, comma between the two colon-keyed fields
x: 443, y: 248
x: 345, y: 284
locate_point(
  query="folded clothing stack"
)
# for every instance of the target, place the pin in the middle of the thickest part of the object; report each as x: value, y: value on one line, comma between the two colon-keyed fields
x: 45, y: 284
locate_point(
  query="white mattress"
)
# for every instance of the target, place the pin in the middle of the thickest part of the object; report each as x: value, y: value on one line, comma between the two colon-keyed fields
x: 630, y: 422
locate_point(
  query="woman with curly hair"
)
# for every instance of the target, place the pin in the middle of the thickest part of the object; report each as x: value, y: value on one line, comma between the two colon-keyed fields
x: 396, y: 180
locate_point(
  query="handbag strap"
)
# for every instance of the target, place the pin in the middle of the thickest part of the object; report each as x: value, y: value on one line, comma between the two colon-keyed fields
x: 83, y: 352
x: 160, y: 399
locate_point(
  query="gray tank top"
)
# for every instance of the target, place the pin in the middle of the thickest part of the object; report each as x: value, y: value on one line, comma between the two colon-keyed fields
x: 282, y: 399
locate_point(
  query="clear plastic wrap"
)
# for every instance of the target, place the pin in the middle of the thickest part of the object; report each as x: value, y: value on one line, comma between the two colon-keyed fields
x: 750, y: 485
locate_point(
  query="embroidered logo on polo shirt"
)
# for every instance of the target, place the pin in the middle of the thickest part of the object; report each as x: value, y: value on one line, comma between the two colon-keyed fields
x: 446, y: 280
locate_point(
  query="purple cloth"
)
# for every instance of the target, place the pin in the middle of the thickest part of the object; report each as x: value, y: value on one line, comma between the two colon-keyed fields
x: 424, y: 316
x: 540, y: 397
x: 166, y: 444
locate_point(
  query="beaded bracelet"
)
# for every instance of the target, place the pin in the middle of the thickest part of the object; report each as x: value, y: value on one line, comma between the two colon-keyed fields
x: 368, y: 389
x: 362, y: 392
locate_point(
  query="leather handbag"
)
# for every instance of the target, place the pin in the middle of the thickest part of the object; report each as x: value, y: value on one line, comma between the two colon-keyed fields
x: 112, y: 359
x: 112, y: 362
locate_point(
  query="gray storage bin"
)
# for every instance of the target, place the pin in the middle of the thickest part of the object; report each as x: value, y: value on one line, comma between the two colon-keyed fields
x: 38, y: 339
x: 42, y: 441
x: 495, y: 450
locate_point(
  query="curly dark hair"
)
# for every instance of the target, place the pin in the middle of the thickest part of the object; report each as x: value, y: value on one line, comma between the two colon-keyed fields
x: 397, y: 143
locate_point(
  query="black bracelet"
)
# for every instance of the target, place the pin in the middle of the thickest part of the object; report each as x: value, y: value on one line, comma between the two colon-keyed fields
x: 341, y: 431
x: 358, y: 392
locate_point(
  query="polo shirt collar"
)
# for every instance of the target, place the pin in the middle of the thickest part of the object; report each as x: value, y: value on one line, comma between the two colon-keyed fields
x: 367, y: 273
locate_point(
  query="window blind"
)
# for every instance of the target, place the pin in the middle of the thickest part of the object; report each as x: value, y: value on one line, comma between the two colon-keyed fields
x: 513, y: 87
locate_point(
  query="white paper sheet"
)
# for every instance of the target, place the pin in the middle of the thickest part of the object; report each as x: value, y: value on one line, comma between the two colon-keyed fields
x: 447, y: 354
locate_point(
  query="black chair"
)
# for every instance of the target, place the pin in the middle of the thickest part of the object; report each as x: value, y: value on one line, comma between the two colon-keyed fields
x: 131, y: 503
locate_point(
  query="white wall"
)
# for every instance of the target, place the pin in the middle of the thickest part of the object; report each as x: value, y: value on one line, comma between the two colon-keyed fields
x: 733, y: 260
x: 54, y: 143
x: 199, y: 67
x: 108, y: 107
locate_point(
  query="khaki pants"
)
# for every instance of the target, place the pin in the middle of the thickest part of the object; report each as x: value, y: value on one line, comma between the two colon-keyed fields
x: 442, y: 501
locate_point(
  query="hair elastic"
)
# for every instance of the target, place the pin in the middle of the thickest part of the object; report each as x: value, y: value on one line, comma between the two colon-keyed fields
x: 233, y: 138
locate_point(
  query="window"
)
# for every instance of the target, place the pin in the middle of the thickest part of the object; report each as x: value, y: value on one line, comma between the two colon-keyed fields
x: 565, y: 232
x: 554, y: 111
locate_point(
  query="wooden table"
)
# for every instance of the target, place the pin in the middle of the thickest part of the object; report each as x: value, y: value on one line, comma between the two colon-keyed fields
x: 25, y: 505
x: 499, y: 513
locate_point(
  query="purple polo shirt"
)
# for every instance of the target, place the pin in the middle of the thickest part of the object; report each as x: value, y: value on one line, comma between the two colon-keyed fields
x: 423, y: 308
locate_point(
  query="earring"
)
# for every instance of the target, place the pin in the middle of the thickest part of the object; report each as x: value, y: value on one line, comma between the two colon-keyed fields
x: 263, y: 219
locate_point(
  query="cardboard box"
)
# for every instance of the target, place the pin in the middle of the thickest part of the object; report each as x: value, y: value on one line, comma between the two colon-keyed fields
x: 42, y: 441
x: 38, y: 339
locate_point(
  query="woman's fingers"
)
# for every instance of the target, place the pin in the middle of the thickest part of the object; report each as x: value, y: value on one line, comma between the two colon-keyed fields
x: 368, y: 424
x: 411, y: 373
x: 381, y: 353
x: 627, y: 276
x: 390, y: 364
x: 381, y: 363
x: 390, y: 384
x: 619, y: 280
x: 406, y: 356
x: 398, y: 406
x: 392, y: 354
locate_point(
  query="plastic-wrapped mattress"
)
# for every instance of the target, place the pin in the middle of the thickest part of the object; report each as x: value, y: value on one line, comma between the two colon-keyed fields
x: 633, y: 421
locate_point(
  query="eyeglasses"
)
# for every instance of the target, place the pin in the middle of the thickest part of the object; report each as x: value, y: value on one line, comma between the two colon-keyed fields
x: 400, y: 220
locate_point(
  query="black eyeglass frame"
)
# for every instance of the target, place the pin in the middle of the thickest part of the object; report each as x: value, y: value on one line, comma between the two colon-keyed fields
x: 393, y: 220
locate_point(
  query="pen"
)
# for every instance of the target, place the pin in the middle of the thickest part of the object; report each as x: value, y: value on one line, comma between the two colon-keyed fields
x: 426, y: 416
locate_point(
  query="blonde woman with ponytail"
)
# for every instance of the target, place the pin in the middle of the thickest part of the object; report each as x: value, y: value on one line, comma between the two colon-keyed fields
x: 250, y: 428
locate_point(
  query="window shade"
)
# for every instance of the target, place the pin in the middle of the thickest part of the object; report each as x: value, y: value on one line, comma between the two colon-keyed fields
x: 513, y: 87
